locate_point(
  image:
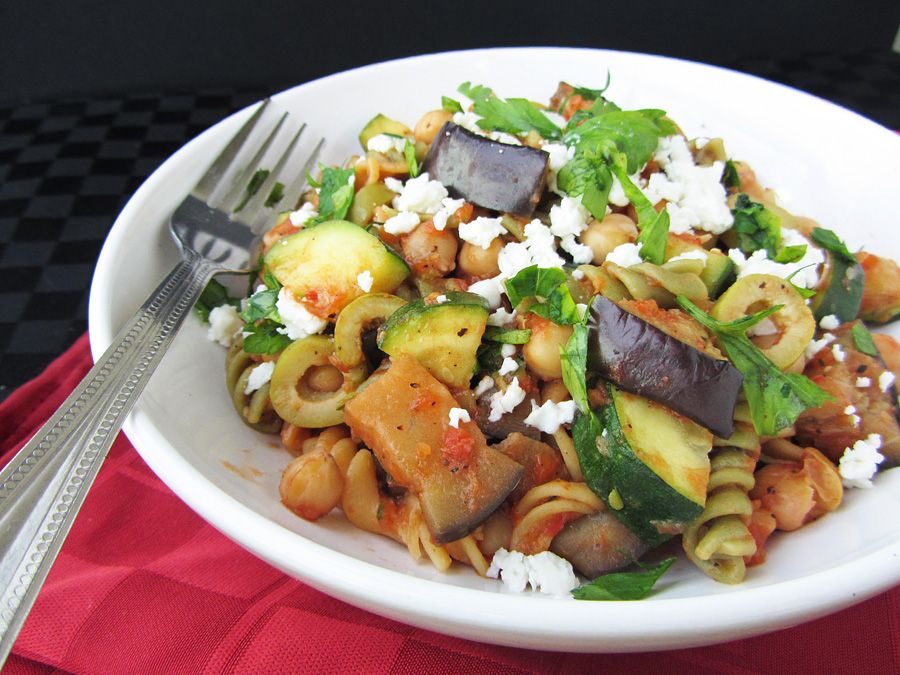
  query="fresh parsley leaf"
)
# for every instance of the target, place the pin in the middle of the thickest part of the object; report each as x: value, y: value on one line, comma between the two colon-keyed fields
x: 507, y: 336
x: 261, y: 305
x: 654, y: 226
x: 831, y: 242
x: 488, y: 357
x: 789, y: 254
x: 276, y: 195
x: 451, y: 105
x: 548, y: 285
x: 335, y: 194
x: 756, y: 227
x: 409, y: 152
x: 214, y: 295
x: 591, y: 94
x: 862, y: 338
x: 255, y: 182
x: 573, y: 358
x: 635, y: 133
x: 730, y: 176
x: 264, y: 338
x: 589, y: 178
x: 776, y: 399
x: 623, y: 585
x: 512, y: 116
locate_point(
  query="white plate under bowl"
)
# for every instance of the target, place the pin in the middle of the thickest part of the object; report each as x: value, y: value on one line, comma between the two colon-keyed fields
x: 826, y: 162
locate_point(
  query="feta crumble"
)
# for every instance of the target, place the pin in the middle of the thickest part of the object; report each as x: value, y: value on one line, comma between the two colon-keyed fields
x: 764, y: 327
x: 303, y: 215
x: 690, y: 255
x: 829, y: 322
x: 625, y: 255
x: 815, y: 346
x: 617, y: 192
x: 508, y: 366
x: 489, y: 289
x: 860, y: 463
x: 440, y: 300
x: 501, y: 318
x: 568, y: 218
x: 560, y: 155
x: 385, y: 143
x: 504, y: 402
x: 481, y: 231
x: 224, y: 324
x: 545, y: 572
x: 581, y: 253
x: 849, y: 410
x: 299, y: 322
x: 448, y: 208
x: 484, y: 385
x: 365, y: 280
x: 839, y: 354
x: 403, y: 223
x: 508, y: 350
x: 420, y: 194
x: 393, y: 184
x: 550, y: 416
x: 863, y: 382
x: 803, y: 271
x: 458, y: 415
x: 578, y: 275
x: 885, y: 380
x: 259, y: 376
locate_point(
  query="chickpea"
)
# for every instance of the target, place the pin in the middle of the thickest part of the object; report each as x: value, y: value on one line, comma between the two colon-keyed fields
x: 480, y: 263
x: 604, y: 235
x: 293, y: 437
x: 324, y: 378
x: 430, y: 123
x: 554, y: 390
x: 430, y: 253
x: 312, y: 485
x: 542, y: 350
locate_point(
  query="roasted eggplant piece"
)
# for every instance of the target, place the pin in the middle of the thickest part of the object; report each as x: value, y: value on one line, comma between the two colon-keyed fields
x: 640, y: 358
x: 830, y: 428
x: 498, y: 176
x: 403, y: 417
x: 598, y: 544
x: 542, y: 463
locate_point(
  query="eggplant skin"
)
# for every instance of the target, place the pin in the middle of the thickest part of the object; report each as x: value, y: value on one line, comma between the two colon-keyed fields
x: 641, y: 359
x: 497, y: 176
x: 598, y: 544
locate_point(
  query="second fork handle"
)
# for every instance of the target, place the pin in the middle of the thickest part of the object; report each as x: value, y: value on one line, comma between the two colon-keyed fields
x: 44, y: 485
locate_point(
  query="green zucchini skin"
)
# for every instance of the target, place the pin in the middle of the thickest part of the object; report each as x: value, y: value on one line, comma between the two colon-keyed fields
x: 648, y: 503
x: 381, y: 124
x: 843, y: 294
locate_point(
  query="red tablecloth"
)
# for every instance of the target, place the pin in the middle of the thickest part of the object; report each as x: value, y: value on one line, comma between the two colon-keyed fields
x: 144, y: 585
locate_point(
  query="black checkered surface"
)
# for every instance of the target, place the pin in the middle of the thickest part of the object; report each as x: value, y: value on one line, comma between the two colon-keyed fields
x: 68, y: 167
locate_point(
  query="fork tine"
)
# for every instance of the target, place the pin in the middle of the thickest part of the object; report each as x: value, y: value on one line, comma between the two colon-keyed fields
x: 293, y: 191
x: 252, y: 208
x: 220, y: 164
x: 235, y: 192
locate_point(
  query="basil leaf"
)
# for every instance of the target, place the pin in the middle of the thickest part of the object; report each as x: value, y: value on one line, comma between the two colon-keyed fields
x: 513, y: 115
x: 776, y: 399
x: 654, y: 226
x: 862, y: 338
x: 589, y: 178
x: 623, y: 585
x: 507, y: 336
x: 789, y: 254
x: 264, y: 338
x: 253, y: 185
x: 451, y: 105
x: 831, y: 242
x: 548, y: 285
x: 409, y: 152
x: 335, y: 194
x: 730, y: 176
x: 214, y: 295
x: 573, y: 358
x: 756, y: 227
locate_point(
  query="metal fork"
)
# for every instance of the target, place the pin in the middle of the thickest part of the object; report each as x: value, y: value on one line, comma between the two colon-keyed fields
x: 44, y: 485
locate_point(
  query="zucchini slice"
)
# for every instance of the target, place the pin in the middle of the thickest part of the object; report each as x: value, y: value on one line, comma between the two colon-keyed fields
x: 719, y: 270
x: 443, y: 336
x: 381, y: 124
x: 650, y: 465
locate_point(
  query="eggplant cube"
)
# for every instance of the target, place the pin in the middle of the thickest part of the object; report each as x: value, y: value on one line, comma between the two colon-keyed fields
x: 498, y: 176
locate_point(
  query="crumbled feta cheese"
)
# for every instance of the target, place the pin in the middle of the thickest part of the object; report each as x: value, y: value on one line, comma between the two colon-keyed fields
x: 885, y: 380
x: 839, y: 354
x: 501, y: 137
x: 440, y: 300
x: 863, y: 382
x: 386, y: 143
x: 690, y: 255
x: 421, y: 194
x: 481, y: 231
x: 859, y: 463
x: 803, y: 271
x: 259, y: 376
x: 550, y: 416
x: 458, y: 415
x: 581, y: 254
x: 224, y: 324
x: 508, y: 350
x: 560, y: 155
x: 501, y: 318
x: 484, y: 385
x: 625, y: 255
x: 695, y: 194
x: 508, y: 366
x: 764, y: 327
x: 617, y: 192
x: 568, y: 218
x: 849, y: 410
x: 545, y: 572
x: 365, y: 280
x: 448, y: 208
x: 469, y: 121
x: 504, y: 402
x: 829, y: 322
x: 393, y: 184
x: 541, y: 245
x: 403, y: 223
x: 303, y: 215
x: 556, y: 118
x: 299, y: 322
x: 578, y: 275
x: 512, y: 259
x: 815, y: 346
x: 489, y: 289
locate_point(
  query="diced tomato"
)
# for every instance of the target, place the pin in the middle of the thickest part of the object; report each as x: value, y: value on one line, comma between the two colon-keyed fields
x: 457, y: 448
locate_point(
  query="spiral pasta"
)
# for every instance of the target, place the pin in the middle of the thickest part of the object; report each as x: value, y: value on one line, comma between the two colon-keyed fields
x: 254, y: 409
x: 545, y: 509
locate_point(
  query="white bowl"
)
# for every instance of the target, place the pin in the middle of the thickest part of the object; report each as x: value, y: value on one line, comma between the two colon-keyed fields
x: 825, y: 161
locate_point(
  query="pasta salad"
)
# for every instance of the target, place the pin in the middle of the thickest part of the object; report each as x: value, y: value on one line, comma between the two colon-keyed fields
x: 547, y: 339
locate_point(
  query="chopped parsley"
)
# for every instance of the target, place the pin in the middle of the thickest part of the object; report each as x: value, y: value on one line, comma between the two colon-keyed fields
x: 548, y: 286
x: 511, y: 116
x: 335, y: 194
x: 828, y: 240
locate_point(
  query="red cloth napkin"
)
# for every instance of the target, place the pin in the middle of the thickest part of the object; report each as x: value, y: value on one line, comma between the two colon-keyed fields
x: 144, y: 585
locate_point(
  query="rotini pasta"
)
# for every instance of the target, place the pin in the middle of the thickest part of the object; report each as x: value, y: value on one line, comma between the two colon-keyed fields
x: 255, y: 409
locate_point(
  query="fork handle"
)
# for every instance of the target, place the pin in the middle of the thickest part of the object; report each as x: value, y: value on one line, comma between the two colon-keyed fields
x: 44, y: 485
